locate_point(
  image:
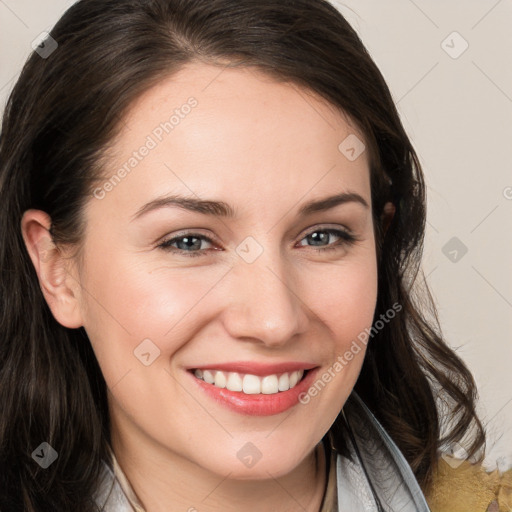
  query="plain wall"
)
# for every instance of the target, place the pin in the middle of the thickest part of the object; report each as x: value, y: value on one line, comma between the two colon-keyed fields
x: 457, y: 108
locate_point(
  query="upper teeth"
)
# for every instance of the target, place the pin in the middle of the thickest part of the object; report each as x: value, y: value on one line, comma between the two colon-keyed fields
x: 251, y: 384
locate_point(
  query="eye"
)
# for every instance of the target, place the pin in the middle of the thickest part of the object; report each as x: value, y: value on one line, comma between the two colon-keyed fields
x: 188, y: 244
x: 320, y: 239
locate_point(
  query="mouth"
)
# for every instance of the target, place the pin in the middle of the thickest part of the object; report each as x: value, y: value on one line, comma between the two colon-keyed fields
x: 251, y: 384
x: 260, y: 393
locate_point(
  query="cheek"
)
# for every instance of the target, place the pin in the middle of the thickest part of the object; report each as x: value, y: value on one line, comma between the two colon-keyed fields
x: 347, y: 311
x: 345, y: 296
x: 127, y: 302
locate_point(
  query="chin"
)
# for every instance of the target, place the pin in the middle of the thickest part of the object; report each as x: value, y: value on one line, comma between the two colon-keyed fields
x: 260, y: 460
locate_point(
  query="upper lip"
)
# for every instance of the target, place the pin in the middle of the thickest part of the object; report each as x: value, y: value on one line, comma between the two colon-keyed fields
x: 254, y: 368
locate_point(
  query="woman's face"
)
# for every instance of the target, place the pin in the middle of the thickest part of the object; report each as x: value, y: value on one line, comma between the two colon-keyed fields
x: 257, y: 285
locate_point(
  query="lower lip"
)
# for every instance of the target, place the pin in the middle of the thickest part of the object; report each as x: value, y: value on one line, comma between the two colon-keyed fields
x: 260, y: 404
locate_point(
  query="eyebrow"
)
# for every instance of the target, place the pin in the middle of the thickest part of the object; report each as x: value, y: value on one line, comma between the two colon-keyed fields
x: 222, y: 209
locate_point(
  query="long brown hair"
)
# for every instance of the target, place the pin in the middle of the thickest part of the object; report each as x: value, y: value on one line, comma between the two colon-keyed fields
x: 64, y: 111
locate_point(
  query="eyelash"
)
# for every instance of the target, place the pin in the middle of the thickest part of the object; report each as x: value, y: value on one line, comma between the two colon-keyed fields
x: 346, y: 239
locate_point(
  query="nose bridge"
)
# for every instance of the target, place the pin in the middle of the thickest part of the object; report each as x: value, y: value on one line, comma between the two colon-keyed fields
x: 264, y: 306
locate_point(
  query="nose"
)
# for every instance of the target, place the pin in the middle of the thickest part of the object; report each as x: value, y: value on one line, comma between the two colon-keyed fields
x: 266, y: 304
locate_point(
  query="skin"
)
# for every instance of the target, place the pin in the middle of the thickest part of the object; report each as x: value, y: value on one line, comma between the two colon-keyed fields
x: 266, y: 148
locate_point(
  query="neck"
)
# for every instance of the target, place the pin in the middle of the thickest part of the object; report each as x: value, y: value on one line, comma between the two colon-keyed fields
x: 160, y: 477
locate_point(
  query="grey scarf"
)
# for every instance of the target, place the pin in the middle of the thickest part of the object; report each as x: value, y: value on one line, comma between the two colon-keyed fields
x: 378, y: 478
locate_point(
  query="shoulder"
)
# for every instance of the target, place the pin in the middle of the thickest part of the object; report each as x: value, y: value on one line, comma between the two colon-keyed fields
x: 459, y: 486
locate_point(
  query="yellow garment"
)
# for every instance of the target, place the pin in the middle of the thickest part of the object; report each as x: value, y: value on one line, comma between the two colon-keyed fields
x: 465, y: 487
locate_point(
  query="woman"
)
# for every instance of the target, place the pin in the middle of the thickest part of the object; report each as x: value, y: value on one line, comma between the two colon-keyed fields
x: 212, y: 223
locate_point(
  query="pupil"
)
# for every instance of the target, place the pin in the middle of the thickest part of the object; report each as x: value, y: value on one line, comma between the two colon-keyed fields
x: 185, y: 241
x: 318, y: 236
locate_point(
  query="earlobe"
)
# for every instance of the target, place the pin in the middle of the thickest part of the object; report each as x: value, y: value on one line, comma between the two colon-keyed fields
x: 59, y: 287
x: 387, y: 215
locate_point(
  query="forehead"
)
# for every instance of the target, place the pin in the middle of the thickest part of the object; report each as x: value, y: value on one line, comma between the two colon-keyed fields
x: 235, y: 132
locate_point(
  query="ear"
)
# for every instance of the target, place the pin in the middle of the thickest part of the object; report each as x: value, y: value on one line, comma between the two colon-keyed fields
x: 387, y: 215
x: 59, y: 287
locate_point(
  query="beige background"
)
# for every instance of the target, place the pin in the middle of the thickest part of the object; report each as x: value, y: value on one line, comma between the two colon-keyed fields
x: 456, y: 105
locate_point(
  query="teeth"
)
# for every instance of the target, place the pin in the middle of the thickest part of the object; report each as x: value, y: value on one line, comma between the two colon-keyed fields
x: 293, y: 379
x: 251, y: 384
x: 269, y: 385
x: 235, y: 382
x: 220, y: 380
x: 208, y: 377
x: 284, y: 382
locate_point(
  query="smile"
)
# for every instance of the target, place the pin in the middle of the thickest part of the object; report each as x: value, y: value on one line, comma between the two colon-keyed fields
x: 266, y: 391
x: 251, y: 384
